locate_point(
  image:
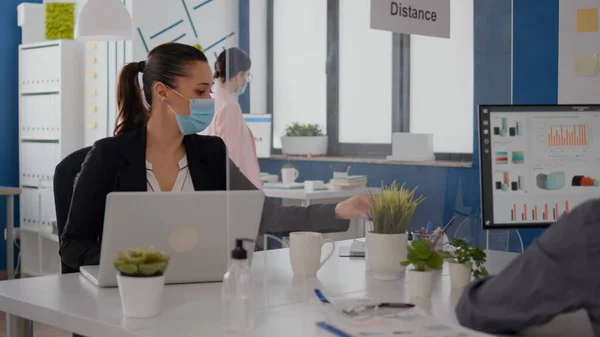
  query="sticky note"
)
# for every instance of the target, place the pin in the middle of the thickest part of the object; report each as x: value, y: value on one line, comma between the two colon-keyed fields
x: 586, y: 65
x: 92, y: 124
x: 92, y: 74
x: 587, y: 20
x: 92, y: 59
x: 92, y: 45
x: 94, y: 107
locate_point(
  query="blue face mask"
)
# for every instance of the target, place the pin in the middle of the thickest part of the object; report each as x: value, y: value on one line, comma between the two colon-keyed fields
x: 202, y: 111
x: 242, y: 89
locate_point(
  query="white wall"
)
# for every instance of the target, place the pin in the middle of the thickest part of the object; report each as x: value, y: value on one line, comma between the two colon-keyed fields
x: 441, y: 85
x: 574, y: 89
x: 365, y: 71
x: 215, y: 23
x: 299, y: 80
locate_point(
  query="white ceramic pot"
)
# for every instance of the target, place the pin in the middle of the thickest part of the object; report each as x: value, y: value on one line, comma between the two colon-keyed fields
x: 304, y: 145
x: 421, y: 282
x: 460, y: 274
x: 140, y: 296
x: 384, y: 254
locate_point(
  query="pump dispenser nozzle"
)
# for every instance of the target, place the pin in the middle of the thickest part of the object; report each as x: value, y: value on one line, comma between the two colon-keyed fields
x: 239, y: 253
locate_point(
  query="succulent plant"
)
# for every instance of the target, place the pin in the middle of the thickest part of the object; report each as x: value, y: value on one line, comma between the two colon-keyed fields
x: 141, y: 262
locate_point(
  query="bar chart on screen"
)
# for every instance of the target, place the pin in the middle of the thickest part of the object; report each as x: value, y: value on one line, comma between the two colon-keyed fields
x: 575, y: 135
x: 538, y: 212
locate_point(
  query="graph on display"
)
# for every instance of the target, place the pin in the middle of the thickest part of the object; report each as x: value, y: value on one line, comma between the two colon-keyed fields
x: 538, y: 212
x: 567, y: 136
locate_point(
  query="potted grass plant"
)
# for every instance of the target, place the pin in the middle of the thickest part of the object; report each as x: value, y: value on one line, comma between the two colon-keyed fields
x: 390, y: 215
x: 304, y: 140
x: 464, y: 261
x: 424, y: 263
x: 141, y: 280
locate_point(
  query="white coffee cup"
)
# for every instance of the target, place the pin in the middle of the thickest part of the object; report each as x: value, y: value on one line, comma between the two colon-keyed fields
x: 305, y: 252
x: 289, y: 175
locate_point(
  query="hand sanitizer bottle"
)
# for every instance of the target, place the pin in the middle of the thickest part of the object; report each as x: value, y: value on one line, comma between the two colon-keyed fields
x: 238, y: 308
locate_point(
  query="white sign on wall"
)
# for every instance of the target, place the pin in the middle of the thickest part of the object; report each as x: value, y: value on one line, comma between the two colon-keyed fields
x: 260, y: 125
x: 422, y: 17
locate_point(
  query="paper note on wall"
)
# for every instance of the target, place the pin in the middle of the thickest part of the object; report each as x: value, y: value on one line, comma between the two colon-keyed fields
x: 587, y: 20
x: 586, y: 65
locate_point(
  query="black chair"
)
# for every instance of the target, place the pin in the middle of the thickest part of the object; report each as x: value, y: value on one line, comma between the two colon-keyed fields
x: 64, y: 181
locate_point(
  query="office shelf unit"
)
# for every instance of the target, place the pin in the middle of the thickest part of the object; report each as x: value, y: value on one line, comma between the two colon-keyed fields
x: 50, y: 128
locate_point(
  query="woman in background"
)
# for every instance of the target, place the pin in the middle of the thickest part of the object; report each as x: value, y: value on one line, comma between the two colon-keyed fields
x: 232, y: 77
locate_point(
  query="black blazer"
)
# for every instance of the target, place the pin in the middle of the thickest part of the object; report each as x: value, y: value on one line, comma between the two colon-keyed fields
x: 119, y: 164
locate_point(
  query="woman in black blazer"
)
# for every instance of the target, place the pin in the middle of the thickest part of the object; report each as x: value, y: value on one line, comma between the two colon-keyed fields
x: 177, y: 81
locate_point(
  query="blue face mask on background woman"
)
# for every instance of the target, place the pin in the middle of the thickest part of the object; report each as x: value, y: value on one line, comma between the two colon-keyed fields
x: 202, y: 111
x: 242, y: 89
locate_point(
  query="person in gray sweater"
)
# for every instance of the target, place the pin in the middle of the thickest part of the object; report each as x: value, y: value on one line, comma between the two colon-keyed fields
x: 559, y: 273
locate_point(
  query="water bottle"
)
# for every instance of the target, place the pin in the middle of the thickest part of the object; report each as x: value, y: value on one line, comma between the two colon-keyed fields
x: 237, y: 292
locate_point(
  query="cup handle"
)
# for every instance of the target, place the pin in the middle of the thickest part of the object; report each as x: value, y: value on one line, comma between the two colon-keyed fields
x: 330, y: 253
x: 296, y: 174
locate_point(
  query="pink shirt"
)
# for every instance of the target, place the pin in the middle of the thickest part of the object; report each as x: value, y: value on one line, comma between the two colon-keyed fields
x: 229, y: 124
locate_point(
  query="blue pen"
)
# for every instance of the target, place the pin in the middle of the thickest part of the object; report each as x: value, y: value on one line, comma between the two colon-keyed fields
x: 321, y: 297
x: 333, y: 329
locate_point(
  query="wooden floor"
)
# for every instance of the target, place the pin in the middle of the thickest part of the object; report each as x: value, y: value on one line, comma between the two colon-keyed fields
x: 39, y: 330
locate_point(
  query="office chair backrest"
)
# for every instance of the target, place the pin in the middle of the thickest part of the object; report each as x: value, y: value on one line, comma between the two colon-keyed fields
x: 64, y: 180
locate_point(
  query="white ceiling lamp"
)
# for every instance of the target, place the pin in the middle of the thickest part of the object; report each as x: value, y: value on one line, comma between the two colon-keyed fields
x: 103, y: 20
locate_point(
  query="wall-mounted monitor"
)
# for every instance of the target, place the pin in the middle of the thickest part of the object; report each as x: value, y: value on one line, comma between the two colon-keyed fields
x: 537, y: 162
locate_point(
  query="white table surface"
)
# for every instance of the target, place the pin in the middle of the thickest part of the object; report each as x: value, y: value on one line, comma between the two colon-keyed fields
x: 285, y: 305
x: 301, y: 194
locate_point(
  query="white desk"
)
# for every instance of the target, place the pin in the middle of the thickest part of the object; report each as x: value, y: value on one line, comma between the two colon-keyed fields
x: 285, y: 306
x: 306, y: 197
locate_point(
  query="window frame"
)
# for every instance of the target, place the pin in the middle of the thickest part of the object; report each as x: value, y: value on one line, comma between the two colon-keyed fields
x: 400, y: 91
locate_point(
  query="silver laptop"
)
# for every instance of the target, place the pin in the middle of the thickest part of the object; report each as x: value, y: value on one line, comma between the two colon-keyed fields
x: 198, y: 230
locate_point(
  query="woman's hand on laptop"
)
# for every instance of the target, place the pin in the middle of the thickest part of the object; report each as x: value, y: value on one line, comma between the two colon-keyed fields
x: 356, y: 207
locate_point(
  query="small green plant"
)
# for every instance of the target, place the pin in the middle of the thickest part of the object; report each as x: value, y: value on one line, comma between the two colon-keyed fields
x: 421, y: 257
x: 460, y: 252
x: 288, y: 165
x: 141, y: 262
x: 304, y: 130
x: 392, y: 209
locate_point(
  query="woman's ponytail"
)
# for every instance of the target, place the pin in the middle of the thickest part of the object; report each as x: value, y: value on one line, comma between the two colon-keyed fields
x: 132, y: 110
